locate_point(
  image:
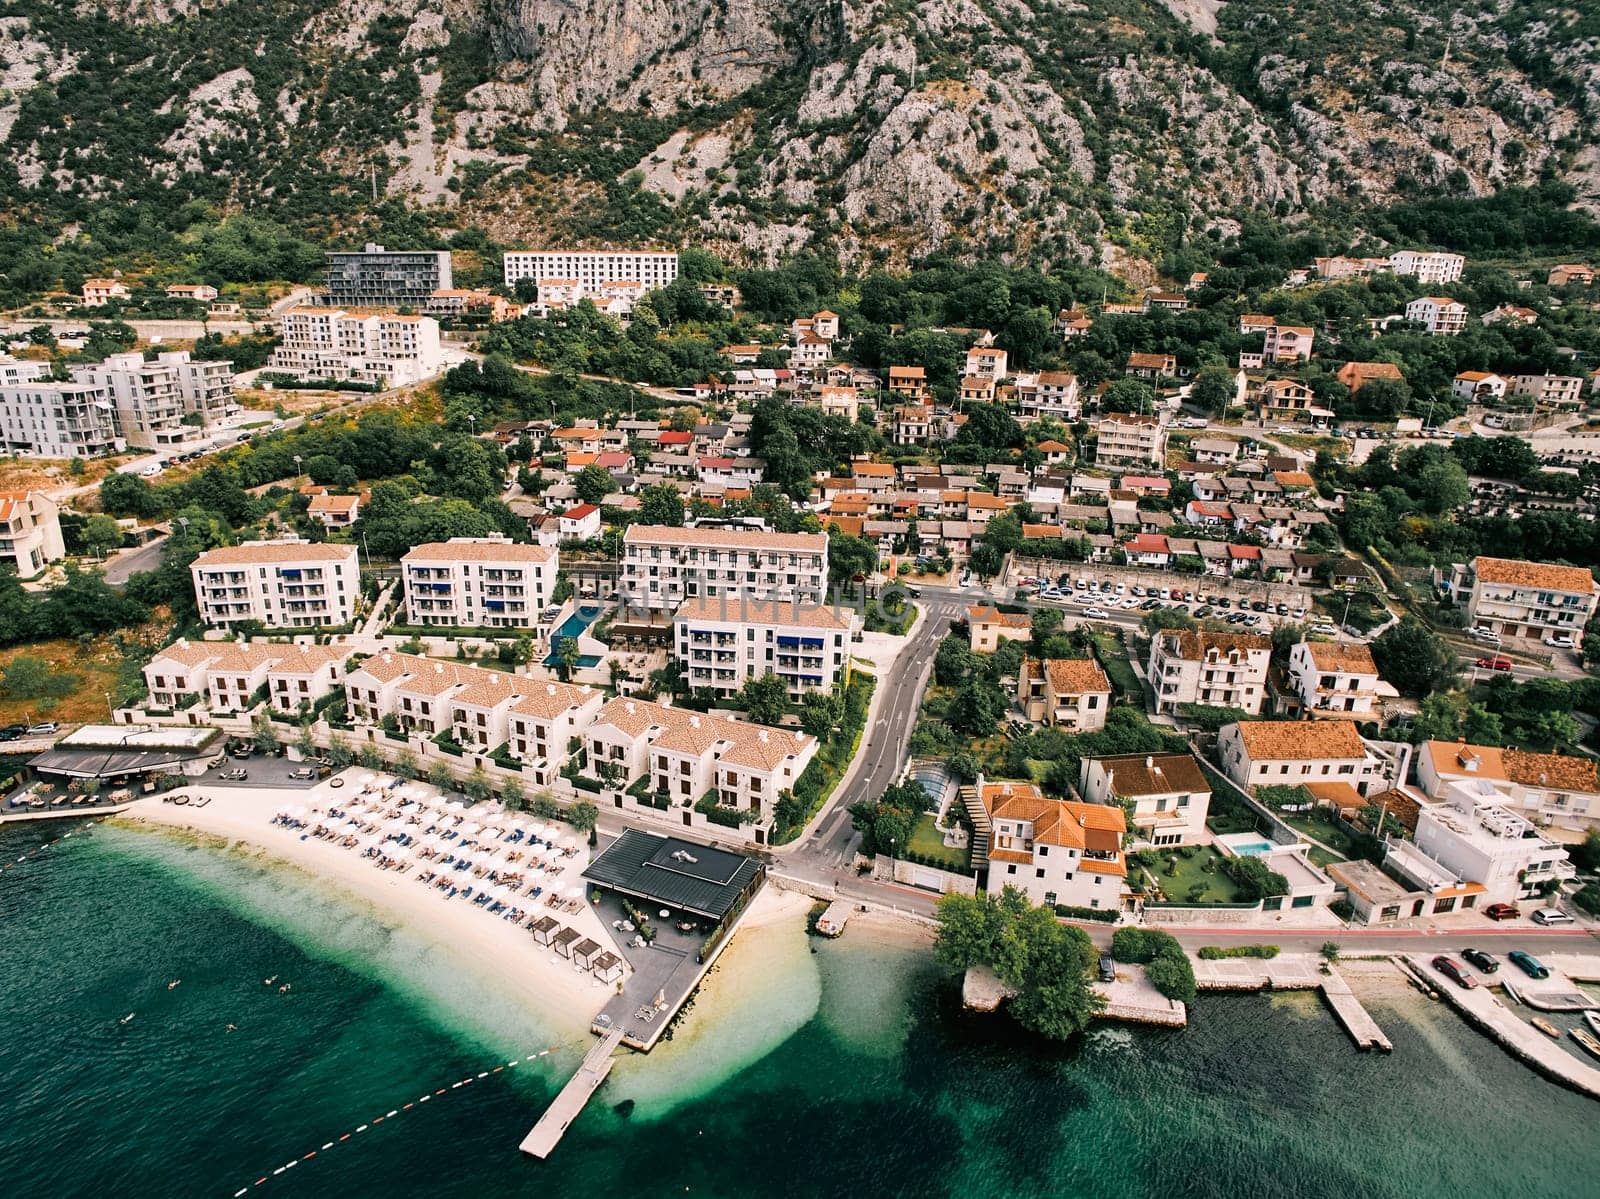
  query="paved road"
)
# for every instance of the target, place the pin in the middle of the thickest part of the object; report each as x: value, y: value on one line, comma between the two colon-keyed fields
x: 147, y: 557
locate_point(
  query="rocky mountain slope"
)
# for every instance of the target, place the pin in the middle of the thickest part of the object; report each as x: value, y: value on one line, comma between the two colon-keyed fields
x: 1034, y: 129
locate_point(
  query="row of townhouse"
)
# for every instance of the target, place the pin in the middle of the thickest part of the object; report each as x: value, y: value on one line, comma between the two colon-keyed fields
x: 479, y: 582
x: 110, y: 405
x: 480, y: 709
x: 229, y: 675
x: 1485, y: 387
x: 288, y: 584
x: 724, y: 642
x: 663, y: 566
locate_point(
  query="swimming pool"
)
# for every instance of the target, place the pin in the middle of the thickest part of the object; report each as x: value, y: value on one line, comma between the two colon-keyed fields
x: 572, y: 627
x: 1246, y: 845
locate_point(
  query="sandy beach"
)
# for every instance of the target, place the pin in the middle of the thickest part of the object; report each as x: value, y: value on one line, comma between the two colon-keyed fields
x: 497, y: 948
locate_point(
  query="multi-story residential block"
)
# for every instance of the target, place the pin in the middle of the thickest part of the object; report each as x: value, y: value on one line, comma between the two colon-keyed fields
x: 57, y: 420
x: 479, y: 582
x: 1056, y: 851
x: 1287, y: 753
x: 1559, y: 790
x: 1427, y: 266
x: 1169, y: 793
x: 1532, y: 601
x: 662, y: 566
x: 375, y: 277
x: 1440, y: 315
x: 1068, y: 693
x: 151, y: 399
x: 1478, y: 387
x: 1335, y: 680
x: 909, y: 381
x: 1123, y: 437
x: 987, y: 627
x: 1471, y: 834
x: 30, y: 532
x: 1048, y: 394
x: 97, y: 293
x: 1289, y: 400
x: 689, y: 757
x: 1550, y: 390
x: 1287, y: 343
x: 1209, y: 669
x: 722, y: 643
x: 913, y: 424
x: 986, y: 362
x: 280, y: 584
x: 366, y: 347
x: 16, y: 371
x: 591, y: 268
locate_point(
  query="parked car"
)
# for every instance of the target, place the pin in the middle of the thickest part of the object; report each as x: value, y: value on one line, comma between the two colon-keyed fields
x: 240, y: 751
x: 42, y: 730
x: 1488, y: 636
x: 1203, y: 610
x: 1108, y: 969
x: 1559, y: 640
x: 1485, y: 962
x: 1502, y: 911
x: 1096, y: 613
x: 237, y: 775
x: 1549, y: 916
x: 1453, y: 969
x: 1494, y: 662
x: 1528, y: 964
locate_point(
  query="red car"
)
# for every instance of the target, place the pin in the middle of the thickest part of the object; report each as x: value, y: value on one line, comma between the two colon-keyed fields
x: 1495, y: 663
x: 1453, y: 969
x: 1502, y: 911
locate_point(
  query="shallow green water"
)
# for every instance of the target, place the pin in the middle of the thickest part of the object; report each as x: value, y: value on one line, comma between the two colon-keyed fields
x: 846, y: 1072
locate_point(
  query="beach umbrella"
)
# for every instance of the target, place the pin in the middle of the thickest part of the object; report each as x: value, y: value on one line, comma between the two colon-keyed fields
x: 575, y: 893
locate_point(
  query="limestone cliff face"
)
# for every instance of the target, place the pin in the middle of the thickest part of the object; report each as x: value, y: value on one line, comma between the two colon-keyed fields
x: 1030, y: 129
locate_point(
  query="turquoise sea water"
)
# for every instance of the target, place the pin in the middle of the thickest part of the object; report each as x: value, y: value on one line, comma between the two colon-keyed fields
x: 849, y: 1071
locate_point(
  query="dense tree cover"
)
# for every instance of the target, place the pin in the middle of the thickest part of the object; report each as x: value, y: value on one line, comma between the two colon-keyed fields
x: 80, y: 604
x: 1044, y: 962
x: 1414, y: 658
x: 765, y: 699
x: 1538, y: 218
x: 583, y: 341
x: 797, y: 442
x: 885, y: 823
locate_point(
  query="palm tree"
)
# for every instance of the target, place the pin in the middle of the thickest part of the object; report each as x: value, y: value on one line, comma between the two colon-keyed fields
x: 567, y: 657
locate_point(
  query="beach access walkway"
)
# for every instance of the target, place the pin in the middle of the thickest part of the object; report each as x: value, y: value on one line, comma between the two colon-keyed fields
x: 597, y: 1064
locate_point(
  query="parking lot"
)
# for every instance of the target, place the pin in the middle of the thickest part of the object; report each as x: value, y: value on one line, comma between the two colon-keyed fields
x: 1251, y: 605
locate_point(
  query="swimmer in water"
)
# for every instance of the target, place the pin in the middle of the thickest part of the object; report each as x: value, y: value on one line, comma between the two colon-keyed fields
x: 173, y: 984
x: 283, y: 990
x: 126, y: 1018
x: 267, y: 982
x: 232, y: 1028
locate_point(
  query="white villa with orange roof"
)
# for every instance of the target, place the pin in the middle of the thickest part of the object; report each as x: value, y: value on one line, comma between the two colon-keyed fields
x: 1528, y: 601
x: 1334, y: 680
x: 334, y: 511
x: 479, y: 582
x: 229, y: 674
x: 97, y: 293
x: 1055, y: 851
x: 987, y: 627
x: 286, y: 584
x: 1553, y: 790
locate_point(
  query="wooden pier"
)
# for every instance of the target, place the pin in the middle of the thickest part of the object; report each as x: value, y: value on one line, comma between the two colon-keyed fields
x: 597, y: 1063
x: 1363, y: 1029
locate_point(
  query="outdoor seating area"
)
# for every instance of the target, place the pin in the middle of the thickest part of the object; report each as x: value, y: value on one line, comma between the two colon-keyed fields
x: 515, y: 868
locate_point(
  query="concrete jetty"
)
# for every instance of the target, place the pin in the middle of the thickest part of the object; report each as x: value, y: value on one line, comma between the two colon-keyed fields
x: 597, y: 1064
x: 1363, y: 1029
x: 1294, y: 972
x: 1483, y: 1010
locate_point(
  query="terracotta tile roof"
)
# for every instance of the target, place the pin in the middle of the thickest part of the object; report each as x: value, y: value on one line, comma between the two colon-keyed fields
x: 695, y: 733
x: 1192, y: 644
x: 1051, y: 447
x: 810, y: 543
x: 306, y: 659
x: 479, y: 551
x: 1515, y: 573
x: 333, y: 503
x: 1136, y: 775
x: 981, y: 614
x: 1097, y: 827
x: 253, y: 553
x: 762, y: 612
x: 1299, y: 740
x: 546, y: 701
x: 1562, y: 771
x: 876, y: 470
x: 185, y: 653
x: 1341, y: 658
x: 1075, y: 676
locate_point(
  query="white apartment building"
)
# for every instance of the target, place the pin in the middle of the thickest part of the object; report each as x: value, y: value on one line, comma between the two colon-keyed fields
x: 58, y: 420
x: 1531, y: 601
x: 148, y: 398
x: 30, y: 532
x: 1053, y: 850
x: 364, y: 347
x: 1558, y: 790
x: 986, y: 362
x: 1221, y: 670
x: 1471, y: 834
x: 1479, y: 387
x: 1427, y: 266
x: 1048, y: 394
x: 280, y: 584
x: 1335, y: 681
x: 1288, y: 753
x: 1550, y: 390
x: 16, y: 371
x: 591, y: 268
x: 479, y: 582
x: 663, y: 565
x: 1169, y: 793
x: 687, y: 757
x: 1440, y: 315
x: 1124, y: 438
x: 722, y: 643
x: 1287, y: 343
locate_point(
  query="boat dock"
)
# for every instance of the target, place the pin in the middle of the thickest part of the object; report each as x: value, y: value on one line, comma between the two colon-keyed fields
x: 1294, y: 972
x: 1363, y: 1029
x: 831, y: 923
x: 597, y: 1064
x: 1484, y: 1011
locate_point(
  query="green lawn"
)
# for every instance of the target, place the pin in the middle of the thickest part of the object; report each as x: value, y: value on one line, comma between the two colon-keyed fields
x: 1331, y: 835
x: 928, y: 841
x: 1114, y: 661
x: 1180, y: 884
